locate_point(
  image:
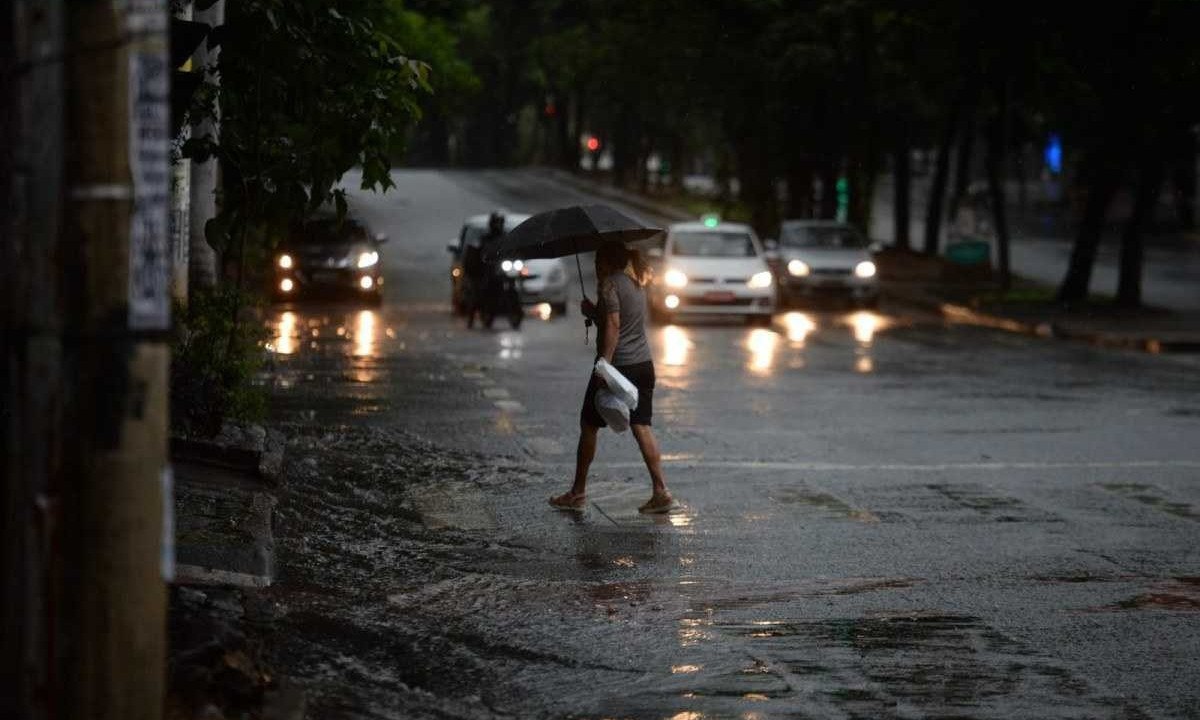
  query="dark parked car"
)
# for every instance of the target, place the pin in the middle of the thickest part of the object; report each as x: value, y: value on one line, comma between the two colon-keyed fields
x: 325, y: 255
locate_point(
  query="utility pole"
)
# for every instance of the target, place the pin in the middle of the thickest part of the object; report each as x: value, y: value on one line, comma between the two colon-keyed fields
x: 31, y: 348
x: 116, y: 479
x: 205, y: 175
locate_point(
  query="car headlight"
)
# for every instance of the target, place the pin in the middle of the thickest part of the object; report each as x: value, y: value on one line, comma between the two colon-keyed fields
x: 367, y: 259
x: 675, y: 278
x: 285, y: 261
x: 799, y: 268
x: 760, y: 280
x: 507, y: 266
x: 865, y: 269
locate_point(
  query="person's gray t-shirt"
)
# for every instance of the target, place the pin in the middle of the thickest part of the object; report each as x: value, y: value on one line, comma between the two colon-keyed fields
x: 620, y: 294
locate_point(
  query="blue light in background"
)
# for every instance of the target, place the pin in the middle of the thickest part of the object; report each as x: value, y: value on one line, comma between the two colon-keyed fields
x: 1054, y: 153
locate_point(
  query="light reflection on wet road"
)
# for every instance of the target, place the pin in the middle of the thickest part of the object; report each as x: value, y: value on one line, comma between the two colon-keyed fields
x: 871, y: 505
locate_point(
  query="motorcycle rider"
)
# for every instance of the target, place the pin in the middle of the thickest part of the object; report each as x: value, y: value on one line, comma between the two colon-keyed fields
x: 479, y: 273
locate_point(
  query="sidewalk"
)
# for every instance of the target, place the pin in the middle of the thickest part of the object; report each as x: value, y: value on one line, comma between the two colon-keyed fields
x: 1030, y: 309
x: 226, y: 492
x: 972, y: 299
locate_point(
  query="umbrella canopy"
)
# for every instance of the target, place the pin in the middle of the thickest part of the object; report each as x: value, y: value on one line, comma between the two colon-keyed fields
x: 568, y: 231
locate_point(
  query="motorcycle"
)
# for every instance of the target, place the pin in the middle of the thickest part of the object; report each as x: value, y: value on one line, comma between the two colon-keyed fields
x: 500, y: 296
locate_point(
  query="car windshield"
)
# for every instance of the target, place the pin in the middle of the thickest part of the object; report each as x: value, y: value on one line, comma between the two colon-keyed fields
x: 821, y: 236
x: 325, y: 231
x: 471, y: 235
x: 713, y: 244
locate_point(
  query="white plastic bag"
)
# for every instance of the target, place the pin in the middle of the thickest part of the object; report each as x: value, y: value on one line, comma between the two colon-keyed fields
x: 618, y: 384
x: 613, y: 409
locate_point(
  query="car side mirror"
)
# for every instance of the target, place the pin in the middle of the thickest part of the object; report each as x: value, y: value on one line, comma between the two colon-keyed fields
x: 655, y: 252
x: 381, y: 238
x: 875, y: 247
x: 771, y: 244
x: 452, y: 248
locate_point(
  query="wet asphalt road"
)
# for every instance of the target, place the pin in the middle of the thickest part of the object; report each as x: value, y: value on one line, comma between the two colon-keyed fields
x: 880, y: 516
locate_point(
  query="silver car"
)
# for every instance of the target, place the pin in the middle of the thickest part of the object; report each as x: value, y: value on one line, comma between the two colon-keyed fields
x: 825, y: 258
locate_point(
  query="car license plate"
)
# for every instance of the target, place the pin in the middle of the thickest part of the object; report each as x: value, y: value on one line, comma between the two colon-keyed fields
x: 719, y: 296
x: 320, y: 276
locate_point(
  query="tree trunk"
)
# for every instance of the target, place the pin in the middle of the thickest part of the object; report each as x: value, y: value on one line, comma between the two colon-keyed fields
x: 800, y: 189
x: 754, y: 178
x: 1102, y: 185
x: 1184, y: 179
x: 202, y: 258
x: 996, y: 195
x: 962, y: 166
x: 941, y: 176
x: 678, y: 161
x: 623, y: 149
x: 562, y: 133
x: 902, y: 183
x: 829, y: 177
x: 1129, y: 281
x: 861, y: 177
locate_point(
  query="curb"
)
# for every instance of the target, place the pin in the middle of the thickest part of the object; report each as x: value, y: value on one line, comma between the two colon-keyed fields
x: 962, y: 314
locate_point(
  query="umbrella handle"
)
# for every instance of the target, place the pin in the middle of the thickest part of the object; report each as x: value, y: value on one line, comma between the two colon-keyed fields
x: 587, y: 321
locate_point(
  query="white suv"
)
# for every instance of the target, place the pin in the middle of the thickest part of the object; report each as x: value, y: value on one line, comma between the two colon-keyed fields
x: 713, y: 268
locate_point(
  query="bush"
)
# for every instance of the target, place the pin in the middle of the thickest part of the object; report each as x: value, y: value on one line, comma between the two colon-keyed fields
x: 215, y: 353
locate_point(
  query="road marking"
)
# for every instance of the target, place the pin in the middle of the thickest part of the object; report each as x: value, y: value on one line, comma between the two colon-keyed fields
x: 544, y: 445
x: 899, y: 467
x: 510, y: 405
x: 496, y: 393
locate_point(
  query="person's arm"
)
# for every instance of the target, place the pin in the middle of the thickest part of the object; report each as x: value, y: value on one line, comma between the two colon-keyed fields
x: 611, y: 301
x: 612, y: 328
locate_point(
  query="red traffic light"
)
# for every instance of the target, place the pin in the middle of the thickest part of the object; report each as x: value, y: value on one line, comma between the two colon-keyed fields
x: 593, y: 143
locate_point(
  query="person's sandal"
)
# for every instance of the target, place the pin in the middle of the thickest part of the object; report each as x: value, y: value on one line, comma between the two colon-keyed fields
x: 657, y: 505
x: 569, y: 501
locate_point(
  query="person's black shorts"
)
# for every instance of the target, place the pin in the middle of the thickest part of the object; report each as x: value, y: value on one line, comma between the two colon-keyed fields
x: 642, y: 376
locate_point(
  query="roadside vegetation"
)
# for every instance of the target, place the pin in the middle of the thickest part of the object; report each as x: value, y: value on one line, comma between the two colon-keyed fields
x: 784, y: 97
x: 308, y: 90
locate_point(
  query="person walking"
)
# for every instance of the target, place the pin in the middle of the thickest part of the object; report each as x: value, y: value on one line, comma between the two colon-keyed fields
x: 621, y: 273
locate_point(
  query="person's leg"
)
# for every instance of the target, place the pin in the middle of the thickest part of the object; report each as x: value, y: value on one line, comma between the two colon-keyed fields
x: 585, y: 452
x: 653, y: 458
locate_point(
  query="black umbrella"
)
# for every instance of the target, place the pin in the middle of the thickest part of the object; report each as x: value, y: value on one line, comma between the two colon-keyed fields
x: 568, y: 231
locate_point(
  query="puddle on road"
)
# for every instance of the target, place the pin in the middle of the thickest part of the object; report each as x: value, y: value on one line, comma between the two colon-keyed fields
x: 998, y: 508
x: 1180, y: 594
x: 782, y: 345
x: 1153, y: 497
x: 329, y: 331
x: 823, y: 501
x: 926, y: 662
x: 750, y: 597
